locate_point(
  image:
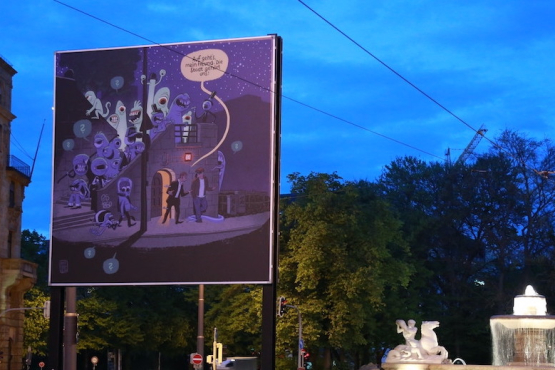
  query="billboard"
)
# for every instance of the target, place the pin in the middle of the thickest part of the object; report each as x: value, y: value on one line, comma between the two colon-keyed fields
x: 165, y: 164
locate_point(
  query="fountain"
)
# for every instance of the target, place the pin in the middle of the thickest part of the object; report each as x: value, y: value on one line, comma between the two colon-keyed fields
x: 527, y: 337
x: 524, y: 340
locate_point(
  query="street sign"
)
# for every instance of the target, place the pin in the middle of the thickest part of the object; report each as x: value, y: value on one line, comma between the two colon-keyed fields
x: 196, y: 359
x: 41, y: 364
x: 94, y: 360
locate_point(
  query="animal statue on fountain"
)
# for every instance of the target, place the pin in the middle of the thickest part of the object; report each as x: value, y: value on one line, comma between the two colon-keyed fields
x: 425, y: 350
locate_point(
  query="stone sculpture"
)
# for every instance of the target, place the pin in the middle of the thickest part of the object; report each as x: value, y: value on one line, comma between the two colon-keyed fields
x: 425, y: 350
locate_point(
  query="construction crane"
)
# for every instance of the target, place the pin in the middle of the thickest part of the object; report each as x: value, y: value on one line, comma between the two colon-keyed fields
x: 467, y: 152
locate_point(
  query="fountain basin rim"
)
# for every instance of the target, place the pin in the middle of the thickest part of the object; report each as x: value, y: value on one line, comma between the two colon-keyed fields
x: 537, y: 296
x: 525, y: 321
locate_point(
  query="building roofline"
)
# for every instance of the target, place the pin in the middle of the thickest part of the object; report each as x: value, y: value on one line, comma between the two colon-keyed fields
x: 5, y: 64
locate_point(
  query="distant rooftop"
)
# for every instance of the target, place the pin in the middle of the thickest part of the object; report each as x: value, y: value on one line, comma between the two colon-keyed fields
x: 5, y: 64
x: 6, y: 60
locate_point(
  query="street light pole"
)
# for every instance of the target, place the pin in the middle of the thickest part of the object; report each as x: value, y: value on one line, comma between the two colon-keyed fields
x: 301, y: 344
x: 45, y: 308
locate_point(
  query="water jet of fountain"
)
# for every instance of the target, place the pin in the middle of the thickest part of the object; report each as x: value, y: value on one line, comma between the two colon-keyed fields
x: 458, y: 359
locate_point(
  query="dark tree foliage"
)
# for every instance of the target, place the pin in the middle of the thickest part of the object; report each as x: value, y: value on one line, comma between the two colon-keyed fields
x: 479, y: 230
x: 236, y: 312
x: 139, y: 320
x: 341, y: 255
x: 35, y: 248
x: 442, y: 208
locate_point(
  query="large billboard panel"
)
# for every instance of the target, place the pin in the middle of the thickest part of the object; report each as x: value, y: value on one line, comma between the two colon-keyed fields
x: 165, y: 164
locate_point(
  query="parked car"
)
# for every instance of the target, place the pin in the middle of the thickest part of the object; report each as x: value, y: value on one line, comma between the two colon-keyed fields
x: 226, y: 364
x: 239, y: 363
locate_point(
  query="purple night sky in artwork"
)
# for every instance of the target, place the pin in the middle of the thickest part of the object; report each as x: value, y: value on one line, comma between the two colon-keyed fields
x: 249, y: 67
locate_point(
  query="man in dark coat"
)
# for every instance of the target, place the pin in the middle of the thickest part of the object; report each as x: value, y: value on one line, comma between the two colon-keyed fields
x: 175, y: 192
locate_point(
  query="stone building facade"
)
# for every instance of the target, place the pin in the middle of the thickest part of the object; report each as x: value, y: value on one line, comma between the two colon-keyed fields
x: 16, y: 275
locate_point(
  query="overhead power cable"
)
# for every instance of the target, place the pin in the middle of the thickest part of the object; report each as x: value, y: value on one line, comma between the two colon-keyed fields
x: 361, y: 127
x: 413, y: 85
x: 250, y: 82
x: 387, y: 66
x: 19, y: 146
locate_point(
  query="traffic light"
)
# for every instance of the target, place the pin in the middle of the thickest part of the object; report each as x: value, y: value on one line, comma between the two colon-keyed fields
x: 305, y: 355
x: 219, y: 352
x: 282, y: 307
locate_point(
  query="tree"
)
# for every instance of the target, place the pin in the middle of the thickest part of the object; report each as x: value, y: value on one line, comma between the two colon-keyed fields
x: 36, y: 326
x: 236, y: 311
x: 137, y: 319
x: 440, y: 206
x: 533, y: 161
x: 341, y: 251
x: 34, y: 248
x: 479, y: 228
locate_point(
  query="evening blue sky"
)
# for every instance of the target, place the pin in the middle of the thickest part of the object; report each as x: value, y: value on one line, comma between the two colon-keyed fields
x: 488, y: 62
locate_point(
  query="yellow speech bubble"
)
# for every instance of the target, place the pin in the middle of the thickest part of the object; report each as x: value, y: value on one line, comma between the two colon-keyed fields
x: 204, y: 65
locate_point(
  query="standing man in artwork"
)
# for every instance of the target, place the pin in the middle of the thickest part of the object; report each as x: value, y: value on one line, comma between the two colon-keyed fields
x: 199, y: 187
x: 175, y: 192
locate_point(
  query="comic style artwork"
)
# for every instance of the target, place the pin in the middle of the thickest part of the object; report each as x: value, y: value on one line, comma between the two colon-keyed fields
x: 165, y: 163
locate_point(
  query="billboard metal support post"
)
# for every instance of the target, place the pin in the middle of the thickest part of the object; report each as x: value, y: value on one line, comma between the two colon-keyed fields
x: 70, y: 332
x: 200, y: 327
x: 55, y: 336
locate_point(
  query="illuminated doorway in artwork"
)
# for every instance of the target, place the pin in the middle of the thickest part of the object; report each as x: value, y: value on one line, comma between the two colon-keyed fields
x: 158, y: 196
